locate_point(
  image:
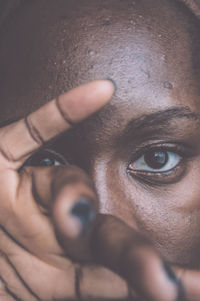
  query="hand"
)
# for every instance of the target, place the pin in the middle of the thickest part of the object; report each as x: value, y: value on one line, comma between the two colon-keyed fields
x: 32, y: 263
x: 41, y: 206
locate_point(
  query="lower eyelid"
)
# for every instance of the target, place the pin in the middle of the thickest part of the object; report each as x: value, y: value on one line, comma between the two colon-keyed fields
x: 164, y: 178
x: 143, y: 166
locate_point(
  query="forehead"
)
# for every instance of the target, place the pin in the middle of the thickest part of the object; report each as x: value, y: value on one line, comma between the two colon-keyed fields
x: 147, y: 47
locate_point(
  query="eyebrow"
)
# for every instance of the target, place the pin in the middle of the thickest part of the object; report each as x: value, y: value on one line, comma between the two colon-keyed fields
x: 158, y: 121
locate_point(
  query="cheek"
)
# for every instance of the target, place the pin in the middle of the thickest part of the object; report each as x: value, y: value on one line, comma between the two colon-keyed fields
x: 110, y: 181
x: 168, y: 215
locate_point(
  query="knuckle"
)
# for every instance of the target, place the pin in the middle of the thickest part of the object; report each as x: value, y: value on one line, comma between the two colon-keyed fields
x: 63, y: 113
x: 33, y: 131
x: 5, y: 154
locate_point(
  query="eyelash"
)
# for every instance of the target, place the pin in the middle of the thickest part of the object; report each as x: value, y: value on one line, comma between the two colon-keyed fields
x: 169, y: 176
x: 45, y: 157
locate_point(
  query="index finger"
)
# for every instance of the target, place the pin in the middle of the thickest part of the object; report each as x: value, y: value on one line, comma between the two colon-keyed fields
x: 190, y: 280
x: 20, y: 139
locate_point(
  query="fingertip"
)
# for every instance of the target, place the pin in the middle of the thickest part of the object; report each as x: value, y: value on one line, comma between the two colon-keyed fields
x: 74, y: 210
x: 106, y: 87
x: 101, y: 91
x: 74, y: 222
x: 113, y: 82
x: 84, y: 212
x: 86, y: 99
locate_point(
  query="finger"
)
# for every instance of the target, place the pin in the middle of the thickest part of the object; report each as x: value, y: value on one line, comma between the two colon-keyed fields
x: 123, y: 250
x: 190, y: 280
x: 20, y: 139
x: 69, y: 194
x: 71, y: 199
x: 13, y: 285
x: 45, y: 281
x: 66, y: 283
x: 51, y: 204
x: 99, y: 283
x: 4, y: 295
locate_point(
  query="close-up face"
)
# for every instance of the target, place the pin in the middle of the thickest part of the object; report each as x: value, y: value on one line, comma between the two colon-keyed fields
x: 142, y: 150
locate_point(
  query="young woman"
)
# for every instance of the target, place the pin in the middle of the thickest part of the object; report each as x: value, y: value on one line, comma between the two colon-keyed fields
x: 136, y: 161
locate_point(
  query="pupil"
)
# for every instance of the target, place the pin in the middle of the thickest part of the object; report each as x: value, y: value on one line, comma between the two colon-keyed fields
x: 46, y: 162
x: 155, y: 159
x: 45, y: 158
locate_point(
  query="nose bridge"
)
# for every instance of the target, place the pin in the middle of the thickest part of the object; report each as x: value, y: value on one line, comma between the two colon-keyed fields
x: 99, y: 175
x: 109, y: 188
x: 111, y: 191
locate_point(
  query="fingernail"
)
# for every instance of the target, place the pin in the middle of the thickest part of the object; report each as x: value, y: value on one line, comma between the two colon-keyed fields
x: 113, y: 82
x: 171, y: 275
x: 84, y: 211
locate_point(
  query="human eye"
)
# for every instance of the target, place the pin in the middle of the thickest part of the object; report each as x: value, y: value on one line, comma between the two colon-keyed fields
x: 157, y: 161
x: 45, y: 157
x: 162, y: 164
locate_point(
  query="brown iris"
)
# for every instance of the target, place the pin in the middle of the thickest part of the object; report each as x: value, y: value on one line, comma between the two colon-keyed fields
x: 156, y: 159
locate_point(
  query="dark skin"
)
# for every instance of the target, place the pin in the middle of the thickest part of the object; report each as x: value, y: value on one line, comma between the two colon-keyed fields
x: 150, y: 49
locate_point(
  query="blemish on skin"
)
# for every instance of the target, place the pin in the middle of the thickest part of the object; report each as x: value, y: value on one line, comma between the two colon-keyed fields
x: 107, y: 22
x: 75, y: 48
x: 168, y: 85
x: 91, y: 52
x: 132, y: 22
x: 91, y: 67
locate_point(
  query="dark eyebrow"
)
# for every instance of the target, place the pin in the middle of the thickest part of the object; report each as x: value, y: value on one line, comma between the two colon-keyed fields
x: 158, y: 121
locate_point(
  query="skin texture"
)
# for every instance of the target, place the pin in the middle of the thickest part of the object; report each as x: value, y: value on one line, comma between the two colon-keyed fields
x: 150, y: 49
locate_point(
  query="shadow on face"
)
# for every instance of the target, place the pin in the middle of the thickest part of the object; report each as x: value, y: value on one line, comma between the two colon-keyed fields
x: 142, y: 149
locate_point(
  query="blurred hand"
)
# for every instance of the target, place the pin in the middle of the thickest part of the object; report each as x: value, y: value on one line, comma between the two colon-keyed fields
x: 50, y: 226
